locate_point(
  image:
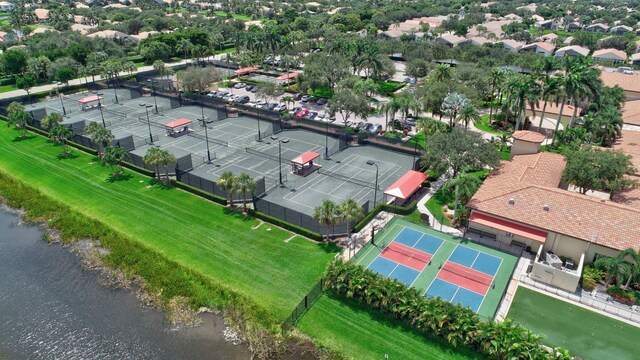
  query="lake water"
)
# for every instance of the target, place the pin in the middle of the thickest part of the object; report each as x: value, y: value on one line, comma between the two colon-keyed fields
x: 50, y: 308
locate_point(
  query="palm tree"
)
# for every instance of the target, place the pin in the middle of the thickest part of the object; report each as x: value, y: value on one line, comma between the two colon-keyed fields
x: 325, y: 214
x: 633, y: 258
x: 288, y: 100
x: 151, y: 157
x: 452, y: 104
x: 113, y: 157
x: 51, y: 120
x: 60, y: 134
x: 229, y: 182
x: 350, y: 212
x: 184, y: 46
x: 442, y: 73
x: 432, y: 126
x: 606, y: 125
x: 165, y: 159
x: 18, y: 118
x: 496, y: 76
x: 245, y: 184
x: 389, y: 109
x: 613, y: 266
x: 468, y: 113
x: 464, y: 185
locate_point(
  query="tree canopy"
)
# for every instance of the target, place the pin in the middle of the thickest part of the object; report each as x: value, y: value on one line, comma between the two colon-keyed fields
x: 592, y: 169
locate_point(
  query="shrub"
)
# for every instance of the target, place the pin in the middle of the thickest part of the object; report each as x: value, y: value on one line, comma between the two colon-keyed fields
x: 283, y: 224
x: 399, y: 210
x: 621, y: 295
x: 434, y: 316
x: 188, y: 188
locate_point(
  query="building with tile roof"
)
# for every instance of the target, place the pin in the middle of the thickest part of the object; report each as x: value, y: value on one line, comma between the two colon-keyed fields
x: 630, y: 83
x: 614, y: 56
x: 573, y: 50
x: 539, y: 47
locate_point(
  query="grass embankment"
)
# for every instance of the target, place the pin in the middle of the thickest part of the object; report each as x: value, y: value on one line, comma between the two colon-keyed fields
x: 585, y: 333
x: 443, y: 197
x: 361, y: 333
x: 194, y: 233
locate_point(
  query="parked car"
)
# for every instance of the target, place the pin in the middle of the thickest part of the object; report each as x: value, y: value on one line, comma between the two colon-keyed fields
x: 295, y: 109
x: 321, y: 101
x: 359, y: 125
x: 212, y: 94
x: 366, y: 127
x: 406, y: 80
x: 255, y: 89
x: 302, y: 113
x: 410, y: 121
x: 221, y: 94
x: 304, y: 98
x: 280, y: 108
x: 242, y: 99
x: 297, y: 96
x: 375, y: 128
x: 249, y: 87
x: 412, y: 81
x: 239, y: 85
x: 312, y: 115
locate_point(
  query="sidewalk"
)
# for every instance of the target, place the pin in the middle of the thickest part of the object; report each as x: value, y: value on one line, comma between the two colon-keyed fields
x: 432, y: 219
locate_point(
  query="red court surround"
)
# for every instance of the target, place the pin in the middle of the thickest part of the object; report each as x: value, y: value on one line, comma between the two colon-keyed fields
x: 475, y: 281
x: 406, y: 256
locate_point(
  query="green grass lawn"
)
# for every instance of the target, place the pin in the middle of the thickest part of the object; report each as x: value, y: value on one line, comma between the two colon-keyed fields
x: 585, y: 333
x: 436, y: 203
x: 7, y: 88
x: 364, y: 334
x: 484, y: 125
x: 189, y: 230
x: 389, y: 87
x: 235, y: 16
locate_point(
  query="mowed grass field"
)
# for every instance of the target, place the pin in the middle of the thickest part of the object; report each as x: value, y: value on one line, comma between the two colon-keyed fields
x: 363, y: 334
x: 585, y: 333
x: 194, y: 232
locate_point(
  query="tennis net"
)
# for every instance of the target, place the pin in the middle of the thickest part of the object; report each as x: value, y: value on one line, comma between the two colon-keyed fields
x: 264, y: 155
x: 346, y: 178
x: 474, y: 276
x: 413, y: 254
x: 210, y: 139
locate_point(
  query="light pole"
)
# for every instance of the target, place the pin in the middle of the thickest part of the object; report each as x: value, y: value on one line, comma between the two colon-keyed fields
x: 375, y: 190
x: 326, y: 141
x: 415, y: 153
x: 258, y: 116
x: 206, y: 134
x: 60, y: 95
x: 115, y: 93
x: 280, y: 141
x: 146, y: 108
x: 100, y: 107
x: 153, y: 92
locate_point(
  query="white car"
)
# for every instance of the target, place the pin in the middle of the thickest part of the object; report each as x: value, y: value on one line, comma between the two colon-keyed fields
x: 280, y: 108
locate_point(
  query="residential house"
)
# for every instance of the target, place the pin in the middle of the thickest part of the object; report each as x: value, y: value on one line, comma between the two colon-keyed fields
x: 547, y: 24
x: 452, y: 40
x: 513, y: 17
x: 571, y: 27
x: 599, y: 27
x: 629, y: 143
x: 620, y: 29
x: 610, y: 56
x: 568, y: 40
x: 551, y: 114
x: 511, y: 45
x: 112, y: 34
x: 6, y: 6
x: 525, y: 205
x: 479, y: 40
x: 543, y: 48
x: 573, y: 50
x: 41, y: 14
x: 550, y: 37
x: 82, y: 29
x: 635, y: 59
x: 630, y: 83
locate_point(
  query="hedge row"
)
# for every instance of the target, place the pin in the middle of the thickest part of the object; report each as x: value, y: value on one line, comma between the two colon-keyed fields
x: 198, y: 192
x: 283, y: 224
x: 399, y: 210
x: 457, y: 325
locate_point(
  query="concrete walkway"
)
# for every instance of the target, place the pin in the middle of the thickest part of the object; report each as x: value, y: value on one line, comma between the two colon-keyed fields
x: 422, y: 208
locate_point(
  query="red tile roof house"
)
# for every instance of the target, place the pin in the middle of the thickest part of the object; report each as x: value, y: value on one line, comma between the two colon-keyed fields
x: 610, y: 56
x: 543, y: 48
x: 524, y: 204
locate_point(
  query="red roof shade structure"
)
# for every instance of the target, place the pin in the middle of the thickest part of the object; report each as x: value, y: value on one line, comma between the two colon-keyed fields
x: 507, y: 226
x: 177, y: 123
x: 287, y: 76
x: 245, y: 70
x: 88, y: 99
x: 408, y: 184
x: 305, y: 158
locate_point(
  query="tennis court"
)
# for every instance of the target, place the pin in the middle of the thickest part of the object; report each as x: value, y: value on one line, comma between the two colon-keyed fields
x: 440, y: 265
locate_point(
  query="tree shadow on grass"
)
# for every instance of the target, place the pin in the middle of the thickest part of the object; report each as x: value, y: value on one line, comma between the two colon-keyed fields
x: 113, y: 178
x: 393, y: 323
x: 159, y: 184
x: 22, y: 138
x: 236, y: 213
x: 66, y: 155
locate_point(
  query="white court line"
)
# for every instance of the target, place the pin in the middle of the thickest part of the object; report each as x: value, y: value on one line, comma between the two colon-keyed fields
x: 427, y: 234
x: 374, y: 247
x: 474, y: 260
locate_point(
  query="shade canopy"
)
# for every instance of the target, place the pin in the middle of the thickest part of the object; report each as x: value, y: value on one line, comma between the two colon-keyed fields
x: 305, y: 158
x: 88, y: 99
x: 509, y: 227
x: 287, y: 76
x: 407, y: 185
x: 177, y: 123
x: 246, y: 70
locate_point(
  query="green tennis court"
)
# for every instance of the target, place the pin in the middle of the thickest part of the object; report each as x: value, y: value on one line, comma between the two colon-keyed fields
x: 585, y: 333
x: 440, y: 265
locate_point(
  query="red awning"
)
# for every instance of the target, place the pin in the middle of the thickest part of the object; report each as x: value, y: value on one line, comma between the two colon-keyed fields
x: 287, y: 76
x: 245, y: 70
x: 507, y: 226
x: 88, y: 99
x: 408, y: 184
x: 305, y: 158
x: 177, y: 123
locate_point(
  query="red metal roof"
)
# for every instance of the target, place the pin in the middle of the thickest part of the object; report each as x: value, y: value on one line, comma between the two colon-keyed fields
x: 305, y: 158
x: 287, y: 76
x: 245, y: 70
x: 507, y: 226
x: 404, y: 187
x: 89, y: 99
x: 177, y: 123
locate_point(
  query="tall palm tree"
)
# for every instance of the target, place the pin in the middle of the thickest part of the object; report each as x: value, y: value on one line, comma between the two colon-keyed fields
x: 468, y: 113
x: 113, y: 157
x: 442, y: 73
x: 325, y: 214
x: 151, y: 157
x: 613, y: 266
x: 633, y: 258
x: 61, y: 134
x: 496, y: 76
x: 165, y: 159
x: 606, y: 125
x: 350, y: 212
x: 184, y: 46
x: 229, y: 182
x: 452, y: 104
x: 245, y: 184
x: 51, y: 120
x: 18, y: 118
x: 102, y: 137
x: 464, y: 185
